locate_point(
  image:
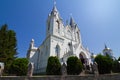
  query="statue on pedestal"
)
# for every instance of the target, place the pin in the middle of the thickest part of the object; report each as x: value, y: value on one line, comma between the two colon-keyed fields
x: 1, y: 68
x: 64, y: 69
x: 30, y: 69
x: 95, y: 69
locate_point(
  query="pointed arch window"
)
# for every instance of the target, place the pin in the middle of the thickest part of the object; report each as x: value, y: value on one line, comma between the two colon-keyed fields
x: 57, y: 50
x: 78, y: 36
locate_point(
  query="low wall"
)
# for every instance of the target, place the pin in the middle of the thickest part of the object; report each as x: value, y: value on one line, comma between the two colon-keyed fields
x: 70, y: 77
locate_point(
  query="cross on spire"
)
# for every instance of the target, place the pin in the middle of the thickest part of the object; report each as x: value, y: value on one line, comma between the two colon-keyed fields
x: 70, y: 14
x: 54, y: 2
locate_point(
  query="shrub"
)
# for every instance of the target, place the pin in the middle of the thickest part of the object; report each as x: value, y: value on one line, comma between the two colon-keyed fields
x: 119, y: 59
x: 74, y: 66
x: 116, y: 67
x: 53, y: 66
x: 19, y: 67
x: 104, y: 64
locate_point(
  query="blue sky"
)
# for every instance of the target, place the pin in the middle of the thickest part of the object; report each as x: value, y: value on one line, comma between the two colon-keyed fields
x: 98, y: 20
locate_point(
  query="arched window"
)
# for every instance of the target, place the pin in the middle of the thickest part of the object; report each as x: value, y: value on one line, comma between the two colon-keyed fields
x: 57, y: 50
x: 78, y: 36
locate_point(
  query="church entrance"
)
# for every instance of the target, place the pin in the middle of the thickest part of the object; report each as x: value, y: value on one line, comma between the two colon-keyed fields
x: 84, y: 60
x: 82, y: 57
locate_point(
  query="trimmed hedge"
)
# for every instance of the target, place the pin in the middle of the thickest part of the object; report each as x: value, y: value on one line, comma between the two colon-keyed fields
x: 74, y: 66
x: 104, y: 64
x: 53, y: 66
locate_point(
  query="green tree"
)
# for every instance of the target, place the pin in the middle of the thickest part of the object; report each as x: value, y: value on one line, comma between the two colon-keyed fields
x: 8, y: 45
x: 104, y: 64
x: 19, y: 67
x: 74, y: 66
x: 119, y: 59
x: 116, y: 66
x: 53, y: 66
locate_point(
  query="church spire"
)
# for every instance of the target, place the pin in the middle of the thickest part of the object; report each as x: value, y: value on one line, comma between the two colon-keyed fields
x: 105, y: 46
x: 54, y: 10
x: 72, y: 23
x: 54, y: 2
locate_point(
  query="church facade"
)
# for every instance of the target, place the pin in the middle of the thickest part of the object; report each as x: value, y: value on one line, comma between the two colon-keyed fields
x: 61, y: 40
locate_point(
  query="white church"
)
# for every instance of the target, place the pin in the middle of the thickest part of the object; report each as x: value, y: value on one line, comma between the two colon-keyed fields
x: 61, y: 40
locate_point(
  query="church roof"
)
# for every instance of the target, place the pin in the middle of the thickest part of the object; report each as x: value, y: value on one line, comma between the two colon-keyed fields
x: 106, y: 48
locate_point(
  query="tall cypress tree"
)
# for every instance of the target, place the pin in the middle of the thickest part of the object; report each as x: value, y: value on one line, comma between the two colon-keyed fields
x: 8, y: 45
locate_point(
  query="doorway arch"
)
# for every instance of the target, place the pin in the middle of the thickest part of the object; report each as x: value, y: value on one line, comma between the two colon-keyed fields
x: 82, y: 57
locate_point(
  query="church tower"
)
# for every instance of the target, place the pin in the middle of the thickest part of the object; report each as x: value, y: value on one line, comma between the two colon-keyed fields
x: 54, y: 23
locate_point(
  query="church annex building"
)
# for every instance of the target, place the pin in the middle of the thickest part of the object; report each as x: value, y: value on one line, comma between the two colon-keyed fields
x: 61, y: 41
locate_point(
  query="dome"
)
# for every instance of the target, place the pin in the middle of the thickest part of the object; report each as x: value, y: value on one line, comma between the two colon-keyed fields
x: 106, y: 49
